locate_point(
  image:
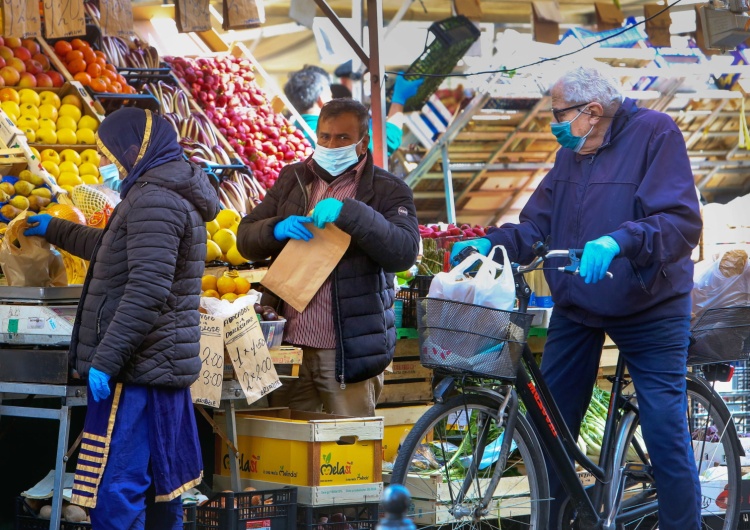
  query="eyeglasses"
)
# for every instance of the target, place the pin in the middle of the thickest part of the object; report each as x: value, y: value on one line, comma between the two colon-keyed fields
x: 558, y: 113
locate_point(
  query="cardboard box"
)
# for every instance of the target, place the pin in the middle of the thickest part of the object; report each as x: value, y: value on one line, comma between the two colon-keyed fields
x: 608, y: 16
x: 306, y: 448
x: 398, y: 421
x: 657, y: 28
x: 471, y: 9
x: 545, y: 22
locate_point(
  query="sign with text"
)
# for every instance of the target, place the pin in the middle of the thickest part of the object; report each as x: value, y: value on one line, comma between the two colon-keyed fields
x: 247, y: 349
x: 207, y: 389
x: 20, y: 19
x: 64, y: 18
x: 241, y: 14
x: 116, y: 18
x: 192, y: 15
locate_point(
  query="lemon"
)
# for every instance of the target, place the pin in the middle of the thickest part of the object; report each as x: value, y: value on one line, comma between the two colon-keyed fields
x: 213, y: 252
x: 212, y: 227
x: 12, y: 109
x: 69, y: 179
x: 47, y: 97
x: 66, y: 109
x: 208, y: 282
x: 242, y: 285
x: 87, y: 168
x: 71, y: 155
x: 46, y: 123
x: 68, y: 167
x: 30, y: 134
x: 88, y: 122
x: 29, y: 110
x: 234, y: 257
x: 227, y: 218
x: 48, y: 110
x: 66, y: 122
x: 86, y: 136
x: 67, y: 136
x: 29, y: 97
x: 230, y: 297
x: 46, y: 136
x: 211, y: 293
x: 27, y: 121
x: 225, y: 285
x: 90, y: 179
x: 225, y: 238
x: 50, y: 154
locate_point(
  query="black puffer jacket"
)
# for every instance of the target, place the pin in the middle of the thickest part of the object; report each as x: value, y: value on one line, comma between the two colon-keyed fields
x: 138, y: 316
x: 383, y: 224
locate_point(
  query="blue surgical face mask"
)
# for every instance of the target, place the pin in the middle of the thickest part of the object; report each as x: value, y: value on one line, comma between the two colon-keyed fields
x: 565, y: 136
x: 111, y: 177
x: 336, y: 160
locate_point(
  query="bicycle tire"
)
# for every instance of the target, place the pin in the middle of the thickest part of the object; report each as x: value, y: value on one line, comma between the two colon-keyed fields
x: 720, y: 506
x: 524, y: 499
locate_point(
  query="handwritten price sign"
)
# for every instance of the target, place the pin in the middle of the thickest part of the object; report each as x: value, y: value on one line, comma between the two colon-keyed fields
x: 20, y: 19
x: 207, y: 389
x: 192, y: 15
x: 247, y: 349
x: 116, y: 18
x: 64, y: 18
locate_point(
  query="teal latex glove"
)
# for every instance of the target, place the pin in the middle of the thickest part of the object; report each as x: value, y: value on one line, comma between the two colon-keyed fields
x: 597, y: 255
x: 293, y: 228
x: 482, y: 245
x: 403, y: 89
x: 326, y: 211
x: 99, y: 384
x: 41, y: 222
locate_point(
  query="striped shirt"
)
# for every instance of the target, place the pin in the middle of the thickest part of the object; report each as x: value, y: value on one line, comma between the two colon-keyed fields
x: 314, y: 326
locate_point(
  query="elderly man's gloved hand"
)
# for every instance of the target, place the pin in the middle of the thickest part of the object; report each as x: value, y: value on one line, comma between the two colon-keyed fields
x: 597, y: 255
x: 99, y: 384
x: 483, y: 246
x: 326, y: 211
x: 41, y: 222
x: 403, y: 89
x: 293, y: 228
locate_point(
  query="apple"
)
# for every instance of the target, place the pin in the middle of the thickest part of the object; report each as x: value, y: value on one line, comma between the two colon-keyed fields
x: 2, y: 63
x: 15, y: 62
x: 22, y: 53
x: 42, y: 59
x: 44, y: 80
x: 6, y: 53
x: 33, y: 67
x: 10, y: 75
x: 31, y: 45
x: 12, y: 42
x: 27, y: 80
x: 57, y: 78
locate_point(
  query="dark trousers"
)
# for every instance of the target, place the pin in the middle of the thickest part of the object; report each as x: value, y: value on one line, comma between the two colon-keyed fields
x: 655, y: 354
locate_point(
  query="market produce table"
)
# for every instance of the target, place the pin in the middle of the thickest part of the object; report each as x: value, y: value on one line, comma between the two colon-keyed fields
x: 70, y: 396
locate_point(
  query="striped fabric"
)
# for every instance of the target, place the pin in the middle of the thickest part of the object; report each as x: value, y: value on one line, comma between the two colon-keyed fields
x: 314, y: 326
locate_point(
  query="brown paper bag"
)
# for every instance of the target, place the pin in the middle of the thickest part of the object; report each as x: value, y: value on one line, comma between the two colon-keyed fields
x: 302, y: 266
x: 30, y: 261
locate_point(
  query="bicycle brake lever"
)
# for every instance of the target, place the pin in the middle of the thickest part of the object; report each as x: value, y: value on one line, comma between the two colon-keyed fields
x: 576, y: 272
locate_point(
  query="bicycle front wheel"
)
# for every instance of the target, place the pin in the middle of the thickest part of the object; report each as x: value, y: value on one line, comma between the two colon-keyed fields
x: 441, y: 450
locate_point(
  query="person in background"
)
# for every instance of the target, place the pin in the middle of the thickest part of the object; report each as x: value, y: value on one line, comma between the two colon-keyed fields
x: 622, y: 189
x: 136, y: 332
x: 309, y: 89
x: 347, y: 332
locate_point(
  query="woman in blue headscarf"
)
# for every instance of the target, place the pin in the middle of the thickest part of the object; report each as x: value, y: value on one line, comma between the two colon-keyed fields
x: 136, y: 333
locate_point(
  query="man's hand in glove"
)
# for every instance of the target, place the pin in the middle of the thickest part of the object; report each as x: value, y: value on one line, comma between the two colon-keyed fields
x: 597, y: 255
x: 403, y: 89
x: 293, y: 228
x: 326, y: 211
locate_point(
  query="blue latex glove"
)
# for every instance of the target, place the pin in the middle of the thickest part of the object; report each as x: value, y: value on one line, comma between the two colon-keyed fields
x: 42, y: 222
x: 483, y: 246
x: 403, y: 89
x: 597, y: 255
x: 326, y: 211
x: 99, y: 384
x: 293, y: 228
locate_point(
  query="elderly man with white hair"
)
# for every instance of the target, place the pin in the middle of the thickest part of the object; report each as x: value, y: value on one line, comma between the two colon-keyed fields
x: 621, y: 189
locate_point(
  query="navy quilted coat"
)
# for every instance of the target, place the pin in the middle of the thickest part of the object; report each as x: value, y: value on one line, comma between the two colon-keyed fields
x: 138, y: 316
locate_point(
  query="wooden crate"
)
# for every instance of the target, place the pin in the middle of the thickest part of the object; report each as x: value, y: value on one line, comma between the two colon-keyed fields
x: 398, y: 421
x: 406, y: 380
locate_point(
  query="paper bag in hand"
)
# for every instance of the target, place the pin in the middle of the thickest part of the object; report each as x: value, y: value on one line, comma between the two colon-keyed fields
x: 30, y: 261
x: 303, y: 266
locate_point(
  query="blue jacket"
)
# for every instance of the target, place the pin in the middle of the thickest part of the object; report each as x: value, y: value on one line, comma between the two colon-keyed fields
x: 638, y: 188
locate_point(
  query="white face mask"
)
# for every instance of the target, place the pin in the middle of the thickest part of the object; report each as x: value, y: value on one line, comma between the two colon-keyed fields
x: 336, y: 160
x: 111, y: 177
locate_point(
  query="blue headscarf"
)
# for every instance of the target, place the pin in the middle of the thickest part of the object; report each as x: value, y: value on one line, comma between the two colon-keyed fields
x: 136, y: 140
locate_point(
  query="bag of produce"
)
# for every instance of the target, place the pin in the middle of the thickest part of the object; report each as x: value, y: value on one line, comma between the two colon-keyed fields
x: 30, y: 261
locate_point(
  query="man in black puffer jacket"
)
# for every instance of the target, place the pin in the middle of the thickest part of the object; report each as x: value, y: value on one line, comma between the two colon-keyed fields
x: 347, y: 331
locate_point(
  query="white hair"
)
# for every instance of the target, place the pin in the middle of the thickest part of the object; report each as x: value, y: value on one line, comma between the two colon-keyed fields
x: 583, y: 84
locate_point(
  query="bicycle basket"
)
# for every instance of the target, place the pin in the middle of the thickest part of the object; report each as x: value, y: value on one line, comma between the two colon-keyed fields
x: 721, y: 335
x: 467, y: 339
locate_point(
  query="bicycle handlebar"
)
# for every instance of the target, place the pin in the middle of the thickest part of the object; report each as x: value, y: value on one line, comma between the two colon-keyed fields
x: 573, y: 254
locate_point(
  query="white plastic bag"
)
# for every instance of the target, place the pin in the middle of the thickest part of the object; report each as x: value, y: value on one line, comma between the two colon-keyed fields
x: 486, y: 288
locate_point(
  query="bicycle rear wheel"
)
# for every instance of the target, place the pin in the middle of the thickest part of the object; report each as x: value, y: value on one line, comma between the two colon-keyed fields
x: 716, y: 457
x: 448, y: 433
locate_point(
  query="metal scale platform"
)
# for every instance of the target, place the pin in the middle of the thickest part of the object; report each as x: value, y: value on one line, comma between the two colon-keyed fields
x: 36, y: 324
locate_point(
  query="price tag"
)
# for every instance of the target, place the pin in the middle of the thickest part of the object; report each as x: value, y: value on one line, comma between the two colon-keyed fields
x: 241, y: 14
x: 64, y: 18
x: 192, y: 15
x: 116, y: 18
x: 207, y: 389
x: 247, y: 349
x: 20, y: 19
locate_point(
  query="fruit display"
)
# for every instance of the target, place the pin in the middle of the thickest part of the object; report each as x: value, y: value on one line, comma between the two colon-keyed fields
x: 71, y: 168
x: 222, y: 238
x: 225, y: 88
x: 23, y: 64
x: 266, y: 313
x: 229, y: 286
x: 46, y: 118
x: 90, y: 67
x: 437, y: 241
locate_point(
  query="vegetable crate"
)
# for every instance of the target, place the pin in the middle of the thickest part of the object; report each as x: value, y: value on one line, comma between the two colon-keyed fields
x: 407, y: 381
x: 267, y: 509
x: 362, y: 516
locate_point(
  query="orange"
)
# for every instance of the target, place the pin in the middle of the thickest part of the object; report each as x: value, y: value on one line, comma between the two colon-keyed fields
x: 208, y: 282
x: 225, y: 285
x: 73, y: 55
x: 98, y: 84
x: 111, y: 68
x: 231, y: 297
x: 93, y: 69
x: 211, y: 293
x: 242, y: 286
x: 79, y: 44
x: 106, y: 72
x: 67, y: 212
x: 116, y: 87
x: 76, y: 66
x: 88, y: 55
x: 83, y: 77
x: 99, y: 53
x: 62, y: 47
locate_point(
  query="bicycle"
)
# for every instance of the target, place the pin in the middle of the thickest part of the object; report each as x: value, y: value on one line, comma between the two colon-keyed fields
x: 491, y: 480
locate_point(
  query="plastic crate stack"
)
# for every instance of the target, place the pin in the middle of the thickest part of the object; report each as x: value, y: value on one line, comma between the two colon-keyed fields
x: 268, y: 509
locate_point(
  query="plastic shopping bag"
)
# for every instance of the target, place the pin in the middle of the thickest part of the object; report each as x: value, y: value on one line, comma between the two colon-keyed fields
x: 30, y: 261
